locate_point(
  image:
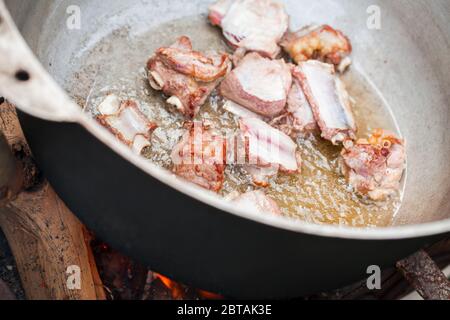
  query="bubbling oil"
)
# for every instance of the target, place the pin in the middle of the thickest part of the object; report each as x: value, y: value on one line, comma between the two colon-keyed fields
x: 320, y: 194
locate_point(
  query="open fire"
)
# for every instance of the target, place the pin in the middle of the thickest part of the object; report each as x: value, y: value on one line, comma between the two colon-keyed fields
x: 124, y: 279
x: 54, y: 239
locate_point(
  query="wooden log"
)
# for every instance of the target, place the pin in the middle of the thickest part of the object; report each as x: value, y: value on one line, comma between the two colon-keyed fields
x: 425, y: 276
x: 45, y: 237
x: 11, y: 177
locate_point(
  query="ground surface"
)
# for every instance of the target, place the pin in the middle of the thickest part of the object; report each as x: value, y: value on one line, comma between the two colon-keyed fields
x: 8, y: 270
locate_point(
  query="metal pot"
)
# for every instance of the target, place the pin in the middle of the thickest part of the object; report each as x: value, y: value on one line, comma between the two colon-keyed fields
x: 193, y: 236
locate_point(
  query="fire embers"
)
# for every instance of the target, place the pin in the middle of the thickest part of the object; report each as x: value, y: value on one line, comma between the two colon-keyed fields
x: 186, y: 76
x: 126, y: 121
x: 374, y: 167
x: 125, y: 279
x: 202, y: 155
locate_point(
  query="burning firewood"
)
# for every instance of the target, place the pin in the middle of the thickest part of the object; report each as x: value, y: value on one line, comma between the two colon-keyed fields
x: 126, y: 279
x: 44, y: 236
x: 123, y: 278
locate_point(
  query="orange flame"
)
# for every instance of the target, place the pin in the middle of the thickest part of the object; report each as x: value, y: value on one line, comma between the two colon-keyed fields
x: 176, y: 289
x: 178, y: 292
x: 209, y: 295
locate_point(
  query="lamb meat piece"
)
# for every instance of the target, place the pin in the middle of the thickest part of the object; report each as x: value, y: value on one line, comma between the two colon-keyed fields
x: 255, y: 25
x: 268, y: 151
x: 319, y: 43
x: 218, y: 10
x: 126, y: 121
x: 259, y: 84
x: 239, y: 110
x: 200, y: 157
x: 188, y: 77
x: 299, y: 107
x: 374, y: 167
x: 257, y: 201
x: 261, y: 174
x: 329, y: 100
x: 298, y: 117
x: 194, y: 64
x: 238, y: 55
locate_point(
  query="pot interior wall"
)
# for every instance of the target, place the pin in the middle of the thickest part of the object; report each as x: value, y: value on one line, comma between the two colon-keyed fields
x: 407, y: 62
